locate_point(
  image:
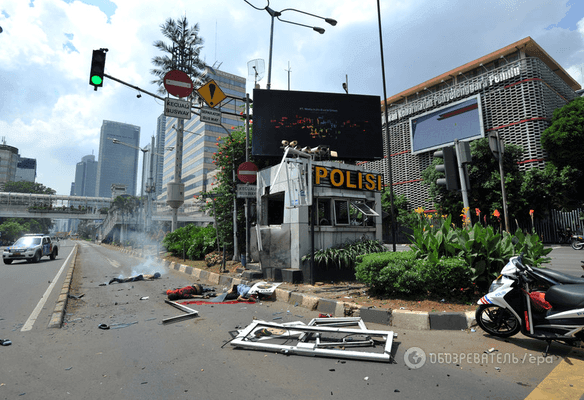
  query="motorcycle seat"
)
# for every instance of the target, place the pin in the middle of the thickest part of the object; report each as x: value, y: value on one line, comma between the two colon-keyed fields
x: 565, y: 296
x: 559, y: 276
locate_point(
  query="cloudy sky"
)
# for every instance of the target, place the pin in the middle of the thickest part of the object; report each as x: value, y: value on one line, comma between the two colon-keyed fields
x: 49, y: 111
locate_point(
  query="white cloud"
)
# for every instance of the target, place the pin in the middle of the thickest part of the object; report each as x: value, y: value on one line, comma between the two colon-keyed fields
x: 48, y: 110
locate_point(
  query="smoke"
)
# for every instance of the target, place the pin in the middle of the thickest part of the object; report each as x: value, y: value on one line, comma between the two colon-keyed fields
x: 149, y: 267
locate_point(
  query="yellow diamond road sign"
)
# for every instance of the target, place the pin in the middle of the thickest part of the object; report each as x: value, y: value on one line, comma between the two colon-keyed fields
x: 211, y: 93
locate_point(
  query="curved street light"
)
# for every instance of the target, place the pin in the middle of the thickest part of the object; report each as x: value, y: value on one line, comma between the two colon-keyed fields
x: 277, y: 14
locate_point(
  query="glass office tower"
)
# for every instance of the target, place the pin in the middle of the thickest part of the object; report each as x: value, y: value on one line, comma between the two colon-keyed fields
x: 118, y: 164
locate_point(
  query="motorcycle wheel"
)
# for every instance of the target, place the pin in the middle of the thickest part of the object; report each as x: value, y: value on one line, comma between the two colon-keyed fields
x: 577, y: 245
x: 497, y: 321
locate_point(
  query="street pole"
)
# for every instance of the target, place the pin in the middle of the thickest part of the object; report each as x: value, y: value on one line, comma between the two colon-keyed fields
x: 389, y: 167
x: 272, y: 14
x: 462, y: 174
x: 150, y: 186
x: 247, y: 236
x: 175, y: 190
x: 502, y: 173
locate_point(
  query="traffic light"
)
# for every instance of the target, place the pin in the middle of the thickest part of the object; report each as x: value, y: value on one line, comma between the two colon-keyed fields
x: 97, y: 68
x: 449, y: 168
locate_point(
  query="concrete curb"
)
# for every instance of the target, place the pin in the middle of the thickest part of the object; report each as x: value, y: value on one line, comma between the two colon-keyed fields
x: 406, y: 319
x: 415, y: 320
x: 56, y: 320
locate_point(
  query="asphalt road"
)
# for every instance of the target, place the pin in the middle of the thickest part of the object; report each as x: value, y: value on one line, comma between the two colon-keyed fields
x: 139, y: 357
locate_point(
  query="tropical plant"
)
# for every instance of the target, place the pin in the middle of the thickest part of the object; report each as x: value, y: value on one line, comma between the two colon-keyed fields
x: 182, y: 53
x: 485, y: 250
x: 344, y: 256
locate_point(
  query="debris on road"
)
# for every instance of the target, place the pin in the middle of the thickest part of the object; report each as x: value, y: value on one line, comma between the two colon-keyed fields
x: 76, y: 297
x: 5, y: 342
x: 190, y: 313
x: 326, y: 337
x: 103, y: 326
x: 136, y: 278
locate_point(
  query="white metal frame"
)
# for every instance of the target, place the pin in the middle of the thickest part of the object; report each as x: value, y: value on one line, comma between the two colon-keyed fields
x: 246, y: 339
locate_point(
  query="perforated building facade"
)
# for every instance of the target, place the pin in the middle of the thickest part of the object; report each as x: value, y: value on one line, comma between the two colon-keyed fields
x: 519, y: 88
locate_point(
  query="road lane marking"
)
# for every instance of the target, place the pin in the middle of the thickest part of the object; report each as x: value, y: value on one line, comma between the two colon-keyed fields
x: 114, y: 263
x: 564, y: 382
x: 35, y: 313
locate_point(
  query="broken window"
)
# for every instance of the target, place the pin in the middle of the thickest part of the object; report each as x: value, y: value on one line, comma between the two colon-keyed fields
x: 362, y: 213
x: 276, y: 209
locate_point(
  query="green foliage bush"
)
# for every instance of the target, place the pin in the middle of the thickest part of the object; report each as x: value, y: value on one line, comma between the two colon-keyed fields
x: 403, y: 274
x: 447, y: 261
x: 194, y: 241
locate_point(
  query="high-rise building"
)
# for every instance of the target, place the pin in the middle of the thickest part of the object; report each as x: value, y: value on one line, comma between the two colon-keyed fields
x: 160, y: 146
x: 85, y: 177
x: 516, y: 89
x: 25, y: 169
x: 8, y: 163
x: 118, y: 164
x: 200, y: 139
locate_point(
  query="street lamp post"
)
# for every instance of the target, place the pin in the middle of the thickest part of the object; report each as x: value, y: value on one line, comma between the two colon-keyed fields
x: 277, y: 14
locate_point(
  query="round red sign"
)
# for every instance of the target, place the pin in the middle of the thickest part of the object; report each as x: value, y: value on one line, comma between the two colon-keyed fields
x: 178, y: 83
x: 247, y: 172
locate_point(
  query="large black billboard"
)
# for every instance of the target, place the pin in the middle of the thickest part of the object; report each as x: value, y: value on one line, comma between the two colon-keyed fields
x: 348, y: 124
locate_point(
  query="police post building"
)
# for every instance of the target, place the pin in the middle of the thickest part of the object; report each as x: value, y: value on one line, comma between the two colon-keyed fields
x: 310, y: 199
x: 512, y: 91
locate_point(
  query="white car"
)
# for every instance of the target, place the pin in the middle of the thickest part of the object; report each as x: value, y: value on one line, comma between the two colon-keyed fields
x: 31, y: 248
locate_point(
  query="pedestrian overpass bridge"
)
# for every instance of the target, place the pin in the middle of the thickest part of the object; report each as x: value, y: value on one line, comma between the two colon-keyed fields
x: 30, y: 205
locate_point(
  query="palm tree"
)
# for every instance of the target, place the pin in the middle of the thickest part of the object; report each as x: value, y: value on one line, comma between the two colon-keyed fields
x: 182, y: 53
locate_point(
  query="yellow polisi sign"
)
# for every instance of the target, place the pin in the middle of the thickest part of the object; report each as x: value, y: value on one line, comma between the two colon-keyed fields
x: 348, y: 179
x: 211, y: 93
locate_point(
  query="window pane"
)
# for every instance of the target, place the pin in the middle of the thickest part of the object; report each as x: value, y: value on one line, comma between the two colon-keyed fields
x: 341, y: 212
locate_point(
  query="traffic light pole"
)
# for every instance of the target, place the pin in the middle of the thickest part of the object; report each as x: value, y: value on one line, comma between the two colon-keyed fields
x: 463, y: 176
x: 197, y: 109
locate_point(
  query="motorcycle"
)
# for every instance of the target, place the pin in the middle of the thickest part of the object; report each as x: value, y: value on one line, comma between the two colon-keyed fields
x: 577, y: 242
x: 564, y: 236
x: 541, y: 304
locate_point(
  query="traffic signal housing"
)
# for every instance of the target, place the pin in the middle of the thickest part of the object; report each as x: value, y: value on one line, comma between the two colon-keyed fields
x: 449, y: 168
x: 97, y: 68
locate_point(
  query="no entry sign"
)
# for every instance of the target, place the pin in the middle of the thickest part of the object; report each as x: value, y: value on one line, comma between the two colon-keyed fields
x: 247, y: 172
x: 178, y: 83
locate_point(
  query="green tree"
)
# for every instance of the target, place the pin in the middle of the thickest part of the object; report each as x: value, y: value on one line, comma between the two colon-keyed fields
x: 230, y: 154
x: 563, y: 143
x: 485, y: 182
x: 185, y: 41
x: 401, y: 205
x: 563, y: 139
x: 28, y: 187
x: 12, y: 230
x: 31, y: 225
x: 551, y: 188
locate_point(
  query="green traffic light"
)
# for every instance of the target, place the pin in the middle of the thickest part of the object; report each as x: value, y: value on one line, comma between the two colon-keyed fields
x: 96, y: 80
